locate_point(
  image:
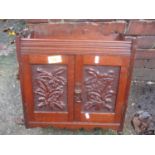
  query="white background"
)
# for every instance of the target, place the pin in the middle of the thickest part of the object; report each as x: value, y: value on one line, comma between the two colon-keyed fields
x: 80, y: 9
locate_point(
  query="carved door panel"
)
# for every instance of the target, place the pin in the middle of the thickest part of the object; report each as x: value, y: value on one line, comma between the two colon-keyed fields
x: 48, y: 87
x: 99, y: 88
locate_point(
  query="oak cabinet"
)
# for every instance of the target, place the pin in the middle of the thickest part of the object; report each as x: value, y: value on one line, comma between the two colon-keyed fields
x: 70, y: 83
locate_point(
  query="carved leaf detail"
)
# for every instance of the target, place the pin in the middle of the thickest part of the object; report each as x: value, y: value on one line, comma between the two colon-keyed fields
x: 50, y: 88
x: 58, y: 71
x: 99, y: 89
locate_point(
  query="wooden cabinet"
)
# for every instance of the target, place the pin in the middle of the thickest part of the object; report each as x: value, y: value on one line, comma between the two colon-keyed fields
x: 75, y: 83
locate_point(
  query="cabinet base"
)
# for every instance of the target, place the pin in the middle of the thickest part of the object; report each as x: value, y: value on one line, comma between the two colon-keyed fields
x: 75, y: 125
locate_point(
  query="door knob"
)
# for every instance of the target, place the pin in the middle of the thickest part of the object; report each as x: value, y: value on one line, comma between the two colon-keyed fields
x: 78, y: 92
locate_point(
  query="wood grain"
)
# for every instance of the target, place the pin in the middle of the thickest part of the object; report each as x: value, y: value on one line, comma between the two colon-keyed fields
x: 76, y: 52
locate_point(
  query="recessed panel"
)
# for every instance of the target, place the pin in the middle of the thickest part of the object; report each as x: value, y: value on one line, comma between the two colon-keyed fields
x: 50, y: 87
x: 100, y: 85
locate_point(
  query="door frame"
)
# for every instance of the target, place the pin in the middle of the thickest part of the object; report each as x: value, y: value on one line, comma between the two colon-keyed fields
x: 106, y: 60
x: 27, y: 88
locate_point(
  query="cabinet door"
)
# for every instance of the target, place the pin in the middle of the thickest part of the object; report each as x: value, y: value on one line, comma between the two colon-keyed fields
x: 100, y: 88
x: 47, y: 82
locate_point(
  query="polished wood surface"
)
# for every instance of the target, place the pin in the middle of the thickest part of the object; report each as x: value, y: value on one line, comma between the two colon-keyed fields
x: 27, y: 62
x: 82, y: 83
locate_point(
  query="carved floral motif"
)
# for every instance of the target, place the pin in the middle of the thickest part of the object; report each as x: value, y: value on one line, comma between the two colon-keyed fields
x: 99, y: 90
x: 50, y: 88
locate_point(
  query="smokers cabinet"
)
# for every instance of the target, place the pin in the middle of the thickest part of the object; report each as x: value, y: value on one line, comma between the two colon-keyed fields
x: 75, y: 83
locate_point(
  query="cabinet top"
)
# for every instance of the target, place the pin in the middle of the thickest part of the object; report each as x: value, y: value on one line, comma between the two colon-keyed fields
x: 74, y: 46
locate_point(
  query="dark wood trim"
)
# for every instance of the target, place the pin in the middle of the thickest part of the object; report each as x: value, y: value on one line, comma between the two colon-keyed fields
x: 75, y: 125
x: 78, y: 78
x: 20, y: 72
x: 80, y: 46
x: 121, y: 98
x: 132, y: 60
